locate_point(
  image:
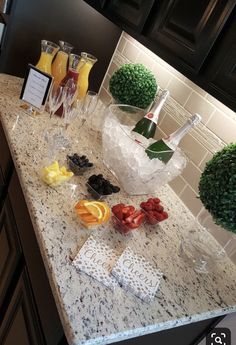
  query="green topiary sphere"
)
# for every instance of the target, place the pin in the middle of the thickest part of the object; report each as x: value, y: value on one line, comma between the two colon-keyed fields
x: 133, y: 84
x: 217, y: 187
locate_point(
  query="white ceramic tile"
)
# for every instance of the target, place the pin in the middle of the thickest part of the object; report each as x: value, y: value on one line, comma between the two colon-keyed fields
x: 146, y: 60
x: 193, y: 148
x: 179, y: 91
x: 130, y: 51
x: 177, y: 184
x: 205, y: 160
x: 195, y: 87
x: 221, y: 106
x: 163, y: 77
x: 192, y: 175
x: 223, y: 126
x: 198, y: 104
x: 189, y: 197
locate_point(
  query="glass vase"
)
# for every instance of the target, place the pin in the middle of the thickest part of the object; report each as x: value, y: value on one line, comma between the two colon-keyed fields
x: 84, y: 68
x: 48, y: 51
x: 60, y: 64
x: 206, y: 244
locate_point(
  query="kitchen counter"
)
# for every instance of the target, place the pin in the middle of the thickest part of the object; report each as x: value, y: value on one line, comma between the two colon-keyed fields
x: 91, y: 313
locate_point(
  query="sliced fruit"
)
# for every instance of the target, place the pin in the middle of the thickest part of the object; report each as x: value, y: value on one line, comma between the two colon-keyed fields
x: 94, y: 209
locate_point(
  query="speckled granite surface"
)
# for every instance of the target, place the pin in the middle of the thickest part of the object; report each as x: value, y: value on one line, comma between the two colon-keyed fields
x: 91, y: 313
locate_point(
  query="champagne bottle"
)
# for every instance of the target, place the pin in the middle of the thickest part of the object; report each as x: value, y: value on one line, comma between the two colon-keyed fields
x: 146, y: 127
x: 164, y: 149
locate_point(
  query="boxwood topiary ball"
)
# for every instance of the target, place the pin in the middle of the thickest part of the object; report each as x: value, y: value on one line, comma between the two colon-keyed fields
x: 217, y: 187
x: 133, y: 84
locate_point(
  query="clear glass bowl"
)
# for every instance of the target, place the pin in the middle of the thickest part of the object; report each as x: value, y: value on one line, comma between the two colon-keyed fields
x: 122, y: 228
x: 206, y: 244
x: 128, y: 159
x: 77, y: 170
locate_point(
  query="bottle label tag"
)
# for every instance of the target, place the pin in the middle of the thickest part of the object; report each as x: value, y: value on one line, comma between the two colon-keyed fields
x: 151, y: 117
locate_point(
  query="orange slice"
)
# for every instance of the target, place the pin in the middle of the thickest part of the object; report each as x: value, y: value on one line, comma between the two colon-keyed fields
x: 105, y: 210
x: 94, y: 209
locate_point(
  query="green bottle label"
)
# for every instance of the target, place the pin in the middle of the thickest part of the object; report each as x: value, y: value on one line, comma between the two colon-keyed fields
x: 160, y: 150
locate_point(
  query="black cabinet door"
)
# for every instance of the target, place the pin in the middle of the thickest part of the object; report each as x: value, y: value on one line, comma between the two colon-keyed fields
x: 133, y: 13
x: 44, y: 301
x: 10, y: 249
x: 5, y: 165
x: 220, y: 72
x: 5, y: 156
x: 184, y: 31
x: 20, y: 325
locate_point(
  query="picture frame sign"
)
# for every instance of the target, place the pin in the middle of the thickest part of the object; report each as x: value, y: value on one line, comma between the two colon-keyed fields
x: 36, y: 87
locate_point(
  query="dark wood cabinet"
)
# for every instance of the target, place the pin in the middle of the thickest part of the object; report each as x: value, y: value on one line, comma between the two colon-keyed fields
x: 21, y: 324
x: 133, y: 13
x: 10, y: 250
x: 187, y: 29
x: 196, y: 37
x: 220, y: 72
x: 28, y: 314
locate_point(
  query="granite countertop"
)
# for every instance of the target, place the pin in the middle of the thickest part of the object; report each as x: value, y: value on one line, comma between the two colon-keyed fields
x: 91, y: 313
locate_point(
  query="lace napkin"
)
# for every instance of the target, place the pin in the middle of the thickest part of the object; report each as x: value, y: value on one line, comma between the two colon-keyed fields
x: 96, y: 259
x: 137, y: 275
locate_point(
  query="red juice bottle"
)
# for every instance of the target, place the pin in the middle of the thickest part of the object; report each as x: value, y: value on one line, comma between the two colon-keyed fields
x: 71, y: 74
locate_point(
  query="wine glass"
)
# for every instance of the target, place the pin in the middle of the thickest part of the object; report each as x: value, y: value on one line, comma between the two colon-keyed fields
x: 89, y: 105
x: 55, y: 100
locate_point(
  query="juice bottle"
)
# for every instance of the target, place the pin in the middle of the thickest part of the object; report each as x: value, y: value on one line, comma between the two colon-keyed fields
x: 59, y: 65
x: 84, y: 68
x: 71, y: 74
x: 48, y: 51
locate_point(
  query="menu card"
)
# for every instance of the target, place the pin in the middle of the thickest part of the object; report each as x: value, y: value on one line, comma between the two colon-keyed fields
x: 36, y: 87
x: 137, y: 275
x: 96, y: 259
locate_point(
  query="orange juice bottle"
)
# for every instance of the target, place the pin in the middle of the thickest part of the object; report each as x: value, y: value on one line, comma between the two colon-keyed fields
x: 59, y: 65
x: 48, y: 51
x: 84, y: 67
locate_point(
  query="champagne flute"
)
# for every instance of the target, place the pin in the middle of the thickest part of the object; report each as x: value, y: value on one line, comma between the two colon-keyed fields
x: 89, y: 105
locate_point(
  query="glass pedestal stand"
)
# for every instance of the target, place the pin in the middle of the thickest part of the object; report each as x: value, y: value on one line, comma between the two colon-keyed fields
x: 206, y: 244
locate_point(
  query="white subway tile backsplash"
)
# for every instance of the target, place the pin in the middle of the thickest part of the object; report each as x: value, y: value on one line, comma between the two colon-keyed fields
x: 221, y: 106
x: 192, y: 174
x: 198, y: 104
x: 113, y: 67
x: 193, y: 149
x: 186, y: 98
x: 163, y: 77
x: 223, y: 126
x: 178, y: 184
x: 195, y: 87
x: 105, y: 96
x: 190, y: 199
x: 206, y: 159
x: 130, y: 51
x: 121, y: 44
x: 179, y: 91
x: 145, y: 60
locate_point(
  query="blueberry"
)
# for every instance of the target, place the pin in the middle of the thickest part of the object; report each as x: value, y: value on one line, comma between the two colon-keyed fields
x: 115, y: 189
x: 100, y: 176
x: 89, y: 165
x: 83, y: 157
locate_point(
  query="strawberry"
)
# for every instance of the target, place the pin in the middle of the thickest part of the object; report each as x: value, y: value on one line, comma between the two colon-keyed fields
x: 156, y: 200
x: 159, y: 208
x: 165, y: 214
x: 128, y: 211
x: 159, y: 217
x: 117, y: 208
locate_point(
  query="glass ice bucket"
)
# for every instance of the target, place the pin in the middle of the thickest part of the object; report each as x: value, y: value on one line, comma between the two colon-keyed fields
x: 128, y: 159
x: 205, y: 244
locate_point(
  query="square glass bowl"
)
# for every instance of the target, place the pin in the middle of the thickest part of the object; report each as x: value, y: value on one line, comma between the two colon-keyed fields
x: 77, y: 170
